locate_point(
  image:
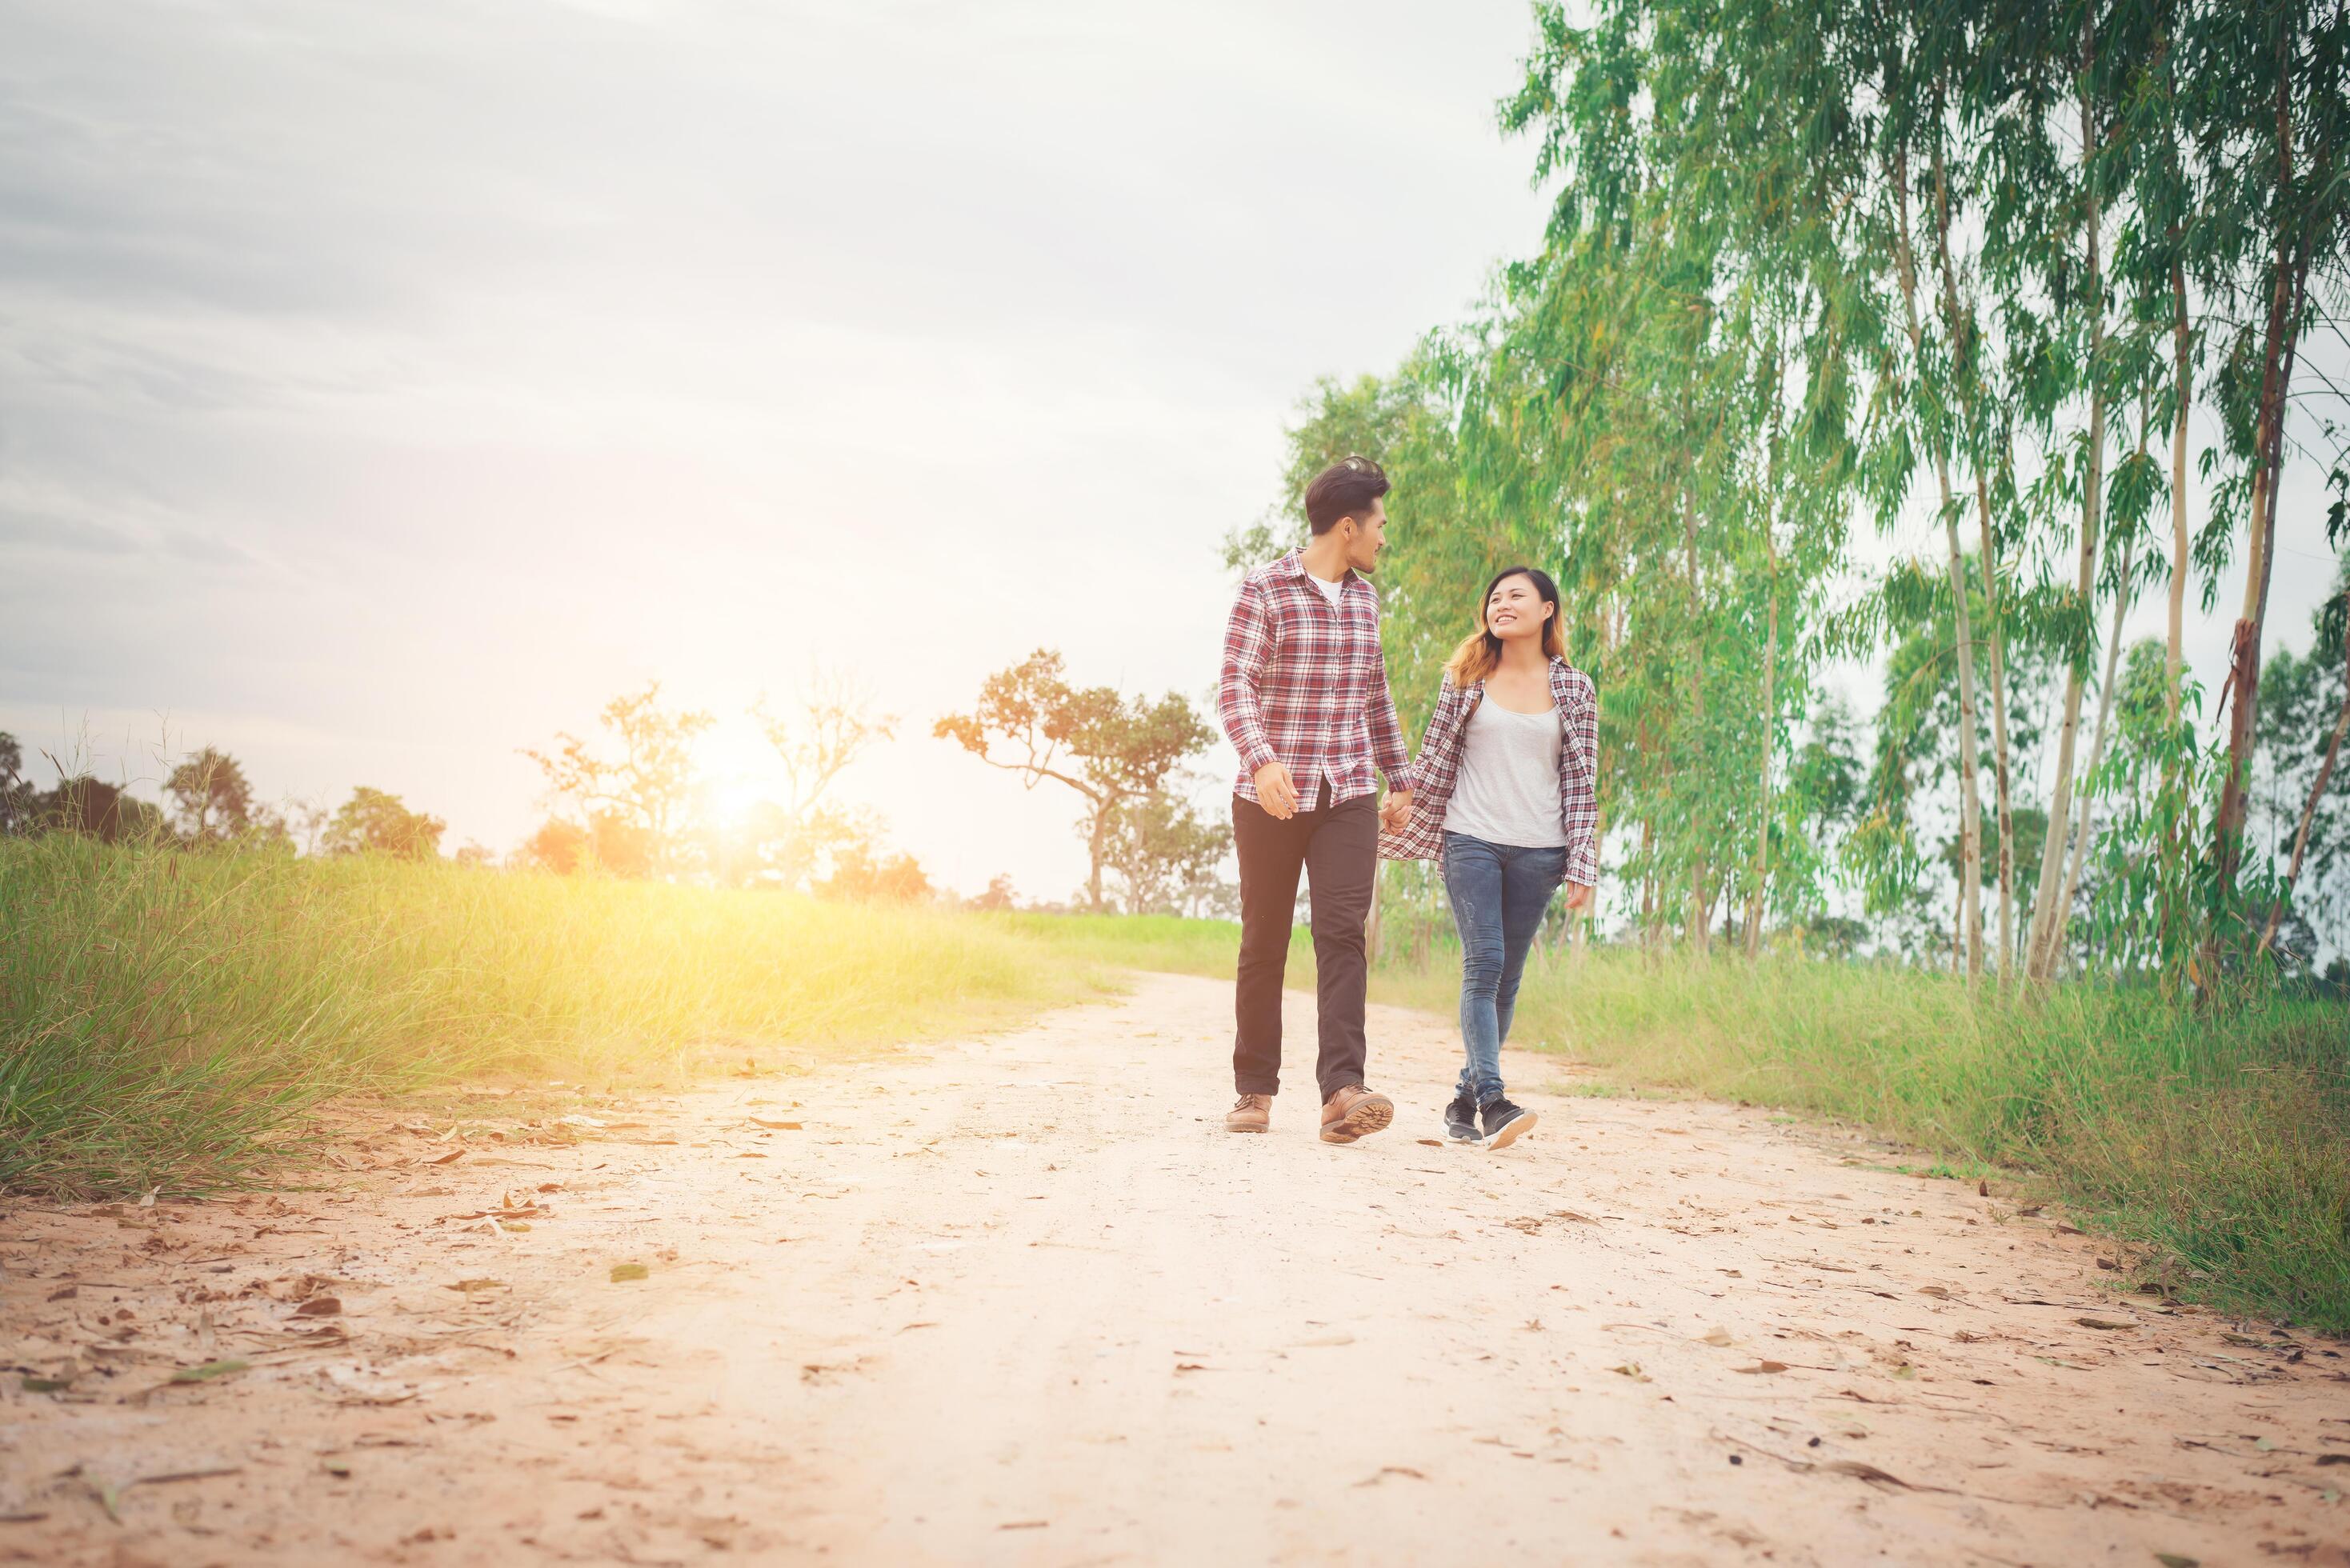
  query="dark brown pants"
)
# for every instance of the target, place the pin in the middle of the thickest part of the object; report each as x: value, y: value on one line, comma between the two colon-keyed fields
x: 1337, y: 846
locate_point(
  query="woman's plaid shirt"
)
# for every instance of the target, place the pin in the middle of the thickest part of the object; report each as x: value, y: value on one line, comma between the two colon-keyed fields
x: 1304, y: 683
x: 1438, y: 769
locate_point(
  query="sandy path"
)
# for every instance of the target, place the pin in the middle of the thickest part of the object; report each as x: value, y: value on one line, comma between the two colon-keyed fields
x: 1023, y: 1301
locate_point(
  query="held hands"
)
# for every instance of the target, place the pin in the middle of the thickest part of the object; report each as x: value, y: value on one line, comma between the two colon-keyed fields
x: 1276, y: 791
x: 1395, y: 810
x: 1578, y: 895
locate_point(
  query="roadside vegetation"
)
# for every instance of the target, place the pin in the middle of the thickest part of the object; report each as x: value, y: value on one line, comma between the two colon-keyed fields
x: 166, y: 1018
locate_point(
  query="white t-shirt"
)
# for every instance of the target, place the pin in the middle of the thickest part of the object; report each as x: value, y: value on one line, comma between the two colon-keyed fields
x: 1330, y: 590
x: 1507, y: 789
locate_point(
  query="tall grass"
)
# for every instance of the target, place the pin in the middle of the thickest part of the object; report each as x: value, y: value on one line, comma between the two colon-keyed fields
x: 165, y: 1017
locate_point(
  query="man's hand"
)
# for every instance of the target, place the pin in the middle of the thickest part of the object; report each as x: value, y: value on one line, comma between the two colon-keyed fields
x: 1275, y: 792
x: 1396, y: 811
x: 1578, y: 895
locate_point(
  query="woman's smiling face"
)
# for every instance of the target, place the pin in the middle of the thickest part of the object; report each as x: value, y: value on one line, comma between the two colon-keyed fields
x: 1513, y: 609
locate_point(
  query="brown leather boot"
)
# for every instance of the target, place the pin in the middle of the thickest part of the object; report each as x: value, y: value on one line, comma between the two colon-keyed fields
x: 1354, y: 1112
x: 1250, y: 1113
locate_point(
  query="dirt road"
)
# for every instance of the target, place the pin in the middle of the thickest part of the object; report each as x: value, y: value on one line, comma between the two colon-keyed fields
x: 1023, y: 1301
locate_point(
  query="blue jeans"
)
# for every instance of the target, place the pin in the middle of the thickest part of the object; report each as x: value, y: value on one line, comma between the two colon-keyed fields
x: 1499, y: 894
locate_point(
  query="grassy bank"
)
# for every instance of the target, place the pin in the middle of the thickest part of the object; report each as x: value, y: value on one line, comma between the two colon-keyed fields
x: 166, y: 1017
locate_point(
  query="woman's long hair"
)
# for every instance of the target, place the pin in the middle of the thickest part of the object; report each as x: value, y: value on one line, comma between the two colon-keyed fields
x: 1480, y: 651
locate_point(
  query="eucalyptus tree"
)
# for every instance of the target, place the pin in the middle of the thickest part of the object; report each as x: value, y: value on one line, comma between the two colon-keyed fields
x: 2276, y: 105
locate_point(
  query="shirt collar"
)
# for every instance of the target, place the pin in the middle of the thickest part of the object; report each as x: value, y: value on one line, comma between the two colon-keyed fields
x: 1293, y: 564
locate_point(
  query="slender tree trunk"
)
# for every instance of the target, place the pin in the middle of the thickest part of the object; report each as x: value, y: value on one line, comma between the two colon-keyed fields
x: 1995, y: 652
x: 2174, y: 657
x: 2244, y: 664
x: 1962, y: 324
x: 1755, y: 895
x: 2096, y: 747
x: 1969, y: 783
x: 1650, y: 920
x: 1094, y: 847
x: 2276, y: 374
x: 2047, y: 898
x: 1699, y: 899
x: 2316, y: 797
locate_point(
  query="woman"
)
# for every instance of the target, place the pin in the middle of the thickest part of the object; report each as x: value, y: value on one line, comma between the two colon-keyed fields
x: 1507, y: 802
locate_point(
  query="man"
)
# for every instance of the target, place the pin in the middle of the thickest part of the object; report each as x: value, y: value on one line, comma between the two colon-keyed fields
x: 1303, y: 698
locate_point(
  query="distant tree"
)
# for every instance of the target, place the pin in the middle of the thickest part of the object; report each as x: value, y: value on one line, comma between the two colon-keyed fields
x: 999, y: 894
x: 831, y: 722
x: 1164, y: 852
x: 858, y: 876
x: 475, y: 854
x: 1031, y: 721
x: 2304, y: 721
x: 211, y: 801
x: 644, y: 790
x: 373, y: 822
x: 19, y: 801
x: 558, y: 846
x: 304, y: 820
x: 92, y: 805
x: 608, y: 843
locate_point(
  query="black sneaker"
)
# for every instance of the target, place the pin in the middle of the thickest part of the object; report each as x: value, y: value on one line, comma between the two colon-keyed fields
x: 1504, y: 1122
x: 1460, y: 1120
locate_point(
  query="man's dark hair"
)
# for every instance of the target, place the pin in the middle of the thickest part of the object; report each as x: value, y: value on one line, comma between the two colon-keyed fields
x: 1345, y: 489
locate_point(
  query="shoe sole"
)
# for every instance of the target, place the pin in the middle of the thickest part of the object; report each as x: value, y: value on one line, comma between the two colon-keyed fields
x: 1229, y: 1128
x: 1371, y: 1114
x: 1457, y: 1135
x: 1507, y: 1133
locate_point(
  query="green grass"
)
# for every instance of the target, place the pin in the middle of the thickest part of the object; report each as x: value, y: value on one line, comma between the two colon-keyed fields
x: 166, y: 1018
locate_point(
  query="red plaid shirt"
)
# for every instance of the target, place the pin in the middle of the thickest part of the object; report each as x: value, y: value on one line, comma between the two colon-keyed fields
x: 1439, y: 768
x: 1304, y: 683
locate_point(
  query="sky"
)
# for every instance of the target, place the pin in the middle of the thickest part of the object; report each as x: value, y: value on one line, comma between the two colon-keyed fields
x: 383, y: 388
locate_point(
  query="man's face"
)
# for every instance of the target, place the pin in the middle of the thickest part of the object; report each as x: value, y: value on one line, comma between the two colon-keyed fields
x: 1367, y: 536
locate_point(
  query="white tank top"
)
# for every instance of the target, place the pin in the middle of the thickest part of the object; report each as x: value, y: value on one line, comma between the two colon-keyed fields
x: 1507, y: 790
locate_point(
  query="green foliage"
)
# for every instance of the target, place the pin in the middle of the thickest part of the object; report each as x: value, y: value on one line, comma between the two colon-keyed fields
x: 373, y: 822
x: 1113, y: 751
x: 1971, y: 267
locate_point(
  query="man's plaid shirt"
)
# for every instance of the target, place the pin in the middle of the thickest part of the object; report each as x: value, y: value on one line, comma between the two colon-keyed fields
x: 1438, y: 769
x: 1304, y: 683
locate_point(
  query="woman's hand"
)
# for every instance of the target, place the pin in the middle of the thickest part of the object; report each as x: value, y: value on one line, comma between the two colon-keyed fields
x: 1395, y: 812
x: 1578, y: 895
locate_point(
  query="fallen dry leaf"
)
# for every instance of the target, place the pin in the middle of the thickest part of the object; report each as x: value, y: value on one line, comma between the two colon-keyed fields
x: 625, y: 1271
x: 1763, y: 1366
x: 2102, y: 1323
x: 791, y: 1127
x: 1717, y: 1335
x: 319, y: 1306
